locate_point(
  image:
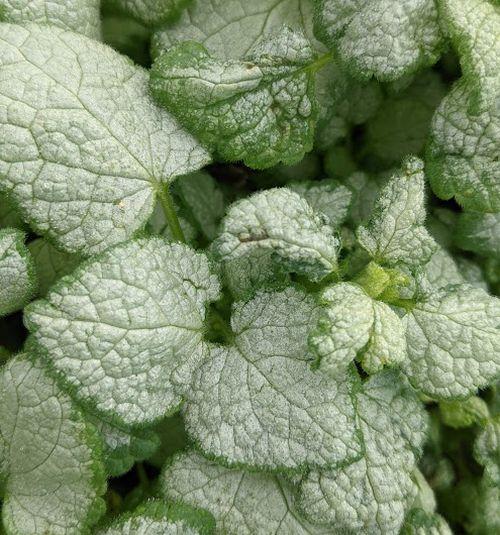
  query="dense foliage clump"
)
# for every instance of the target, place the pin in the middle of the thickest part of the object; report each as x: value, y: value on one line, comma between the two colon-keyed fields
x: 249, y: 267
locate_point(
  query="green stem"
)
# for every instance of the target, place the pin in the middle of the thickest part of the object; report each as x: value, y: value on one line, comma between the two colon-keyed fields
x: 170, y: 214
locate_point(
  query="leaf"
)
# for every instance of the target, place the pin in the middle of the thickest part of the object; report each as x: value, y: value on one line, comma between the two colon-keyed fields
x: 230, y: 28
x: 462, y: 158
x: 204, y: 199
x: 440, y: 271
x: 17, y: 272
x: 153, y: 12
x: 9, y: 216
x: 402, y: 123
x: 473, y: 26
x: 479, y: 233
x: 261, y: 110
x: 352, y: 323
x: 365, y: 191
x: 380, y: 38
x: 487, y: 451
x: 88, y: 149
x: 459, y: 414
x: 396, y: 231
x: 372, y: 495
x: 420, y: 522
x: 282, y: 222
x: 326, y: 196
x: 51, y: 456
x: 257, y: 270
x: 453, y: 342
x: 158, y: 518
x: 125, y: 329
x: 80, y: 16
x: 123, y: 446
x: 50, y: 264
x: 462, y: 154
x: 258, y: 403
x: 243, y: 503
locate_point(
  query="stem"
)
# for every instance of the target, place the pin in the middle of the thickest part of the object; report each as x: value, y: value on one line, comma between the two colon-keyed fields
x: 170, y: 214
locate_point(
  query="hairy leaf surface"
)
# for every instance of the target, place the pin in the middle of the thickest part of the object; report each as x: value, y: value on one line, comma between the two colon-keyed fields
x: 381, y: 38
x: 258, y: 403
x: 49, y: 455
x: 372, y: 495
x: 282, y: 222
x: 80, y: 16
x: 84, y: 149
x: 17, y: 272
x: 453, y: 342
x: 261, y: 110
x: 396, y: 231
x: 243, y: 503
x: 125, y: 329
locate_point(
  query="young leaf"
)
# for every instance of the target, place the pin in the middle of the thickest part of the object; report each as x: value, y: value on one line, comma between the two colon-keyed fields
x: 280, y: 221
x: 80, y: 16
x: 258, y: 403
x: 396, y: 232
x: 230, y: 28
x: 462, y: 158
x: 463, y: 413
x: 49, y: 456
x: 243, y: 503
x: 453, y: 342
x: 351, y: 322
x: 380, y: 38
x: 17, y: 272
x: 159, y: 518
x: 153, y: 12
x: 125, y: 329
x: 326, y: 196
x: 88, y: 150
x: 372, y: 495
x: 50, y: 263
x: 261, y: 110
x: 487, y: 451
x: 480, y: 233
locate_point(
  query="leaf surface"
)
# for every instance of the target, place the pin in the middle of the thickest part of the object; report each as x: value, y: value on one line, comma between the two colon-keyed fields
x: 243, y: 503
x: 372, y: 495
x: 381, y: 38
x: 125, y: 330
x: 396, y: 232
x: 282, y: 222
x: 453, y: 342
x: 87, y: 148
x: 50, y: 456
x: 258, y: 403
x: 17, y: 272
x: 261, y: 110
x: 80, y: 16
